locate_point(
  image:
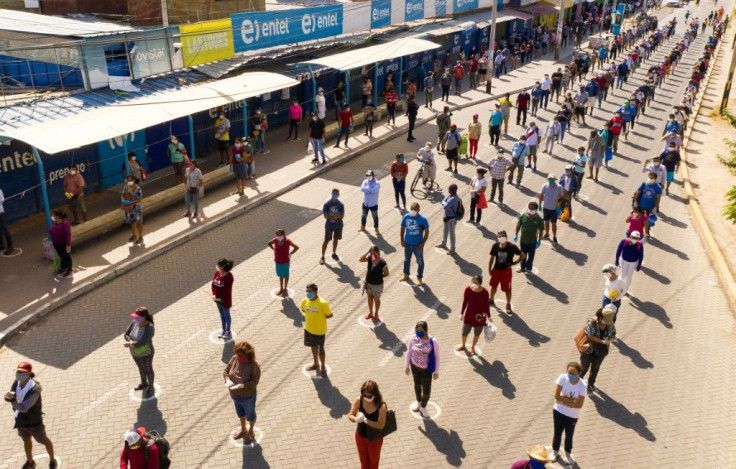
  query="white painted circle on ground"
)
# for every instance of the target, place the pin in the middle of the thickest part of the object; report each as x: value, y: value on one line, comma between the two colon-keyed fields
x: 440, y: 250
x: 46, y: 456
x: 16, y: 253
x: 431, y: 405
x: 369, y: 322
x: 257, y: 431
x: 216, y: 340
x: 289, y: 292
x: 136, y: 398
x: 315, y: 374
x: 535, y: 271
x: 583, y: 197
x: 464, y: 354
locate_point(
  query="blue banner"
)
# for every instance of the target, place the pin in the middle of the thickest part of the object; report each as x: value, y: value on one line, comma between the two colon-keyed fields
x: 618, y: 18
x: 440, y: 7
x: 414, y: 10
x: 112, y: 156
x: 383, y: 69
x: 465, y: 5
x: 380, y: 13
x: 268, y: 29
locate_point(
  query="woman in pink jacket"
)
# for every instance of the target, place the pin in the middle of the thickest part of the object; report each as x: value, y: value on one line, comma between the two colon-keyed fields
x: 61, y: 237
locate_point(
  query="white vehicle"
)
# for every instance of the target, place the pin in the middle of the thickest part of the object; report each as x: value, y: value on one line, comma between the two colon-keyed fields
x: 673, y: 3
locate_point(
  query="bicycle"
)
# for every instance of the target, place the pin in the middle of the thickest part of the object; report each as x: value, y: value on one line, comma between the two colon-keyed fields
x: 421, y: 176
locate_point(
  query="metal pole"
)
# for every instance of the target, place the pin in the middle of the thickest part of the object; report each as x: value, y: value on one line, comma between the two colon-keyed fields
x: 245, y: 118
x: 125, y: 155
x: 347, y: 87
x: 558, y: 39
x: 314, y: 90
x: 191, y: 138
x: 42, y: 180
x: 164, y: 13
x: 375, y: 85
x: 491, y: 41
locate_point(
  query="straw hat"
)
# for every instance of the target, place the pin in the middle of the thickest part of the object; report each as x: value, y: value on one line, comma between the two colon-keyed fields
x: 539, y: 453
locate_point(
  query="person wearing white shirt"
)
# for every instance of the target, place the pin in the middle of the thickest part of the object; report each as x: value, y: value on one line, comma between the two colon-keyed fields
x: 656, y: 167
x: 532, y: 139
x: 552, y: 133
x: 545, y: 84
x: 426, y: 156
x: 6, y: 242
x: 672, y: 137
x: 321, y: 104
x: 370, y: 189
x: 570, y: 395
x: 478, y: 187
x: 615, y: 288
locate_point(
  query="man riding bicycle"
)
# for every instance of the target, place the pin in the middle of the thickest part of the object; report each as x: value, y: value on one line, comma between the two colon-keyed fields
x: 426, y: 157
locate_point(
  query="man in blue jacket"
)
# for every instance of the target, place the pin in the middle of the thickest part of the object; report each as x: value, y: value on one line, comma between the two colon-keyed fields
x: 594, y: 94
x: 629, y: 255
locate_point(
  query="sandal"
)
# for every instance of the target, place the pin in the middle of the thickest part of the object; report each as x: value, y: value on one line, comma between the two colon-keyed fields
x: 471, y: 352
x: 239, y: 435
x: 460, y: 348
x: 367, y: 316
x: 312, y: 367
x: 323, y: 372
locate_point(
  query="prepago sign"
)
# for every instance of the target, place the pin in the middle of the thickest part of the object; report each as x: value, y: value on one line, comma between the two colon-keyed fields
x: 261, y: 30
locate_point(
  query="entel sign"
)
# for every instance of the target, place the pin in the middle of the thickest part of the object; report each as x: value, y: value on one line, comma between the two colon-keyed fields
x: 311, y: 23
x: 380, y: 13
x: 412, y: 7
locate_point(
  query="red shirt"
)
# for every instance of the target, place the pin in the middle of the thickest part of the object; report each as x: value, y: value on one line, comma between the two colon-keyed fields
x: 601, y: 80
x: 473, y: 65
x: 137, y: 457
x: 281, y: 251
x: 522, y: 100
x: 475, y: 307
x: 617, y: 124
x: 346, y: 116
x: 459, y: 71
x: 391, y: 98
x: 222, y: 288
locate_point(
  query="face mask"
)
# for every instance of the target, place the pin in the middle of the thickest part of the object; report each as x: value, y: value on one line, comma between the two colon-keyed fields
x: 401, y: 160
x: 138, y: 320
x: 174, y: 141
x: 420, y: 334
x: 279, y: 238
x: 53, y: 218
x: 335, y: 196
x: 371, y: 178
x: 310, y: 295
x: 222, y: 117
x: 73, y: 172
x: 132, y: 158
x: 239, y: 144
x: 475, y: 286
x: 369, y: 399
x: 652, y: 181
x: 551, y: 181
x: 130, y: 183
x: 20, y: 377
x: 502, y: 239
x: 314, y: 119
x: 567, y: 173
x: 414, y: 213
x: 532, y: 211
x: 242, y: 359
x: 191, y: 167
x: 572, y: 377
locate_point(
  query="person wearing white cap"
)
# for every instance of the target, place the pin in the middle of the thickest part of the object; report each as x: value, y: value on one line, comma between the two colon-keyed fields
x: 600, y: 332
x: 136, y: 452
x: 614, y: 289
x: 630, y: 254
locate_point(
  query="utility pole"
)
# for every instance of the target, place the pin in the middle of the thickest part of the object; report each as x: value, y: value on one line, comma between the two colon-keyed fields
x: 491, y: 41
x: 164, y: 13
x: 558, y: 39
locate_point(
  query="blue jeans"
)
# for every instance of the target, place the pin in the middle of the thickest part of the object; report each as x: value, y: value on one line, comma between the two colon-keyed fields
x: 563, y: 127
x: 338, y: 106
x: 410, y: 249
x: 318, y: 149
x: 529, y: 250
x: 224, y: 316
x: 374, y: 213
x: 617, y: 304
x: 261, y: 141
x: 544, y: 99
x: 343, y: 131
x: 399, y: 190
x: 619, y: 81
x: 189, y: 198
x: 245, y: 407
x: 600, y: 99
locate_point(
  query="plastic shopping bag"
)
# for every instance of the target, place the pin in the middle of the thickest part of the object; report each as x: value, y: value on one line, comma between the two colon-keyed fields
x: 489, y: 332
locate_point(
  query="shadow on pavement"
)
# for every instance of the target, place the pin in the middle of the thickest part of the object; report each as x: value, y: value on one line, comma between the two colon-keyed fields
x: 608, y: 408
x: 655, y: 275
x: 613, y: 170
x: 345, y: 275
x: 518, y: 325
x: 389, y: 340
x: 667, y: 248
x: 227, y: 351
x: 447, y: 443
x: 497, y: 376
x: 592, y: 207
x: 253, y: 458
x: 467, y: 268
x: 633, y: 354
x: 150, y: 417
x: 425, y: 296
x: 580, y: 258
x: 614, y: 190
x: 291, y: 311
x: 671, y: 221
x: 331, y: 397
x: 540, y: 284
x: 578, y: 227
x: 652, y: 310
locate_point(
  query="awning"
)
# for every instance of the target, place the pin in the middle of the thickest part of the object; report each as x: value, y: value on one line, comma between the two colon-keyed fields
x: 121, y: 118
x: 556, y: 4
x: 500, y: 18
x: 371, y: 55
x: 518, y: 14
x: 32, y: 23
x: 540, y: 9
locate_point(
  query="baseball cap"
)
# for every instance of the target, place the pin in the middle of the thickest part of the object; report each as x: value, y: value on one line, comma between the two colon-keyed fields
x: 608, y: 269
x: 24, y: 367
x: 134, y: 435
x: 453, y: 127
x: 138, y: 310
x: 635, y: 234
x: 370, y: 173
x: 551, y: 176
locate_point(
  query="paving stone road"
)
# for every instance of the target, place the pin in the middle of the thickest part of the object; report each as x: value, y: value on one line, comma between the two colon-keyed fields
x: 661, y: 388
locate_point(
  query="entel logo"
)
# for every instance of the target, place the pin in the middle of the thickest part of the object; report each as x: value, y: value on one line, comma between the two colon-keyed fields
x: 380, y: 13
x: 311, y: 23
x: 457, y: 39
x: 412, y: 7
x: 460, y: 3
x: 246, y: 31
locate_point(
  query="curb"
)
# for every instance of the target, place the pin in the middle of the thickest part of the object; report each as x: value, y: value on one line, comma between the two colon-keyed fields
x: 714, y: 251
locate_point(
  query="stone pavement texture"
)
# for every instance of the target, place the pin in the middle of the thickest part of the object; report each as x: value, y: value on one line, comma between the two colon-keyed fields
x: 659, y: 403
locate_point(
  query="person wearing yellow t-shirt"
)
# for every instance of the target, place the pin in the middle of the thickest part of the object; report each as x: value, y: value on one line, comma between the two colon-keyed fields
x: 222, y: 135
x: 316, y: 312
x: 506, y: 105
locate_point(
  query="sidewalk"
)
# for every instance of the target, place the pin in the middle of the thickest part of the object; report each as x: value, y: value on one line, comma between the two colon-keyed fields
x: 36, y: 290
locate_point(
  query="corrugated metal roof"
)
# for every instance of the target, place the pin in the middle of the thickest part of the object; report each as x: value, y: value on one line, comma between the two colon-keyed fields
x: 31, y: 23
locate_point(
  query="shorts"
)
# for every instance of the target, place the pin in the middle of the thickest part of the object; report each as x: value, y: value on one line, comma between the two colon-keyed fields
x: 549, y: 215
x: 245, y: 407
x: 502, y: 277
x: 333, y: 233
x: 223, y: 145
x: 38, y: 433
x: 579, y: 111
x: 451, y: 154
x: 77, y: 205
x: 282, y: 270
x: 595, y: 162
x: 374, y: 290
x: 178, y: 168
x: 430, y: 171
x: 312, y: 340
x: 476, y: 329
x: 670, y: 176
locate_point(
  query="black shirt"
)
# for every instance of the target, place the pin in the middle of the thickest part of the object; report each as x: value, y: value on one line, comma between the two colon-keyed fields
x: 316, y: 128
x: 504, y: 255
x: 412, y: 109
x: 339, y: 94
x: 374, y: 276
x: 557, y: 78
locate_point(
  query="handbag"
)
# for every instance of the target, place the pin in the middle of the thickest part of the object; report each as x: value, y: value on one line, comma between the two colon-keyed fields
x: 390, y: 426
x: 581, y: 341
x: 192, y: 190
x: 489, y: 332
x: 49, y: 253
x: 482, y: 202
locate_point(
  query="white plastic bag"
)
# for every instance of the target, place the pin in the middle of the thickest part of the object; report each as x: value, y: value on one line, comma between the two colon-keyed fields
x: 489, y: 332
x: 310, y: 149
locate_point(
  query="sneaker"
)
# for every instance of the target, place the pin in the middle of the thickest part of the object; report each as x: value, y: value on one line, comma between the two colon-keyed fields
x: 415, y: 407
x: 220, y: 334
x: 315, y: 160
x: 554, y: 240
x: 591, y: 389
x: 335, y: 256
x: 424, y: 412
x: 528, y: 166
x: 419, y: 282
x: 140, y: 387
x: 519, y: 269
x: 195, y: 215
x: 69, y: 274
x: 322, y: 261
x: 492, y: 303
x: 362, y: 228
x: 227, y: 334
x: 552, y: 455
x: 570, y: 458
x: 562, y: 457
x: 403, y: 278
x: 451, y: 252
x: 187, y: 215
x: 139, y: 241
x: 377, y: 232
x: 61, y: 274
x: 149, y: 393
x: 376, y: 319
x: 441, y: 246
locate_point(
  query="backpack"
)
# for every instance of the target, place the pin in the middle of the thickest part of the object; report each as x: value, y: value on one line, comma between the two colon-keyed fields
x: 460, y: 210
x: 154, y: 438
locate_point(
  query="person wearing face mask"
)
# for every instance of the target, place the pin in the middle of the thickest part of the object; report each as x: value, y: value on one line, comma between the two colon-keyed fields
x: 569, y: 184
x: 25, y: 398
x: 474, y: 312
x: 370, y: 189
x: 570, y: 392
x: 345, y: 125
x: 339, y: 98
x: 137, y: 453
x: 74, y: 190
x: 241, y: 375
x: 671, y: 161
x: 452, y: 210
x: 500, y: 165
x: 222, y: 294
x: 615, y: 288
x: 656, y: 168
x: 283, y: 249
x: 531, y: 226
x: 194, y: 180
x: 648, y: 196
x: 240, y: 170
x: 260, y: 126
x: 139, y: 339
x: 600, y: 332
x: 176, y: 151
x: 423, y: 363
x: 630, y: 255
x: 222, y: 136
x: 369, y: 412
x: 320, y: 105
x: 316, y: 313
x: 533, y: 135
x: 499, y: 266
x: 333, y: 211
x: 549, y: 198
x: 478, y: 186
x: 136, y: 170
x: 414, y: 234
x: 317, y: 137
x: 61, y: 239
x: 474, y: 130
x: 130, y: 203
x: 373, y: 285
x: 399, y: 170
x: 295, y: 118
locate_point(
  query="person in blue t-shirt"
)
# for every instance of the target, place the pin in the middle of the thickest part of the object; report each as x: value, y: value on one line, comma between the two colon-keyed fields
x: 628, y: 112
x: 672, y: 126
x: 647, y: 197
x: 414, y: 233
x: 593, y: 91
x: 333, y: 211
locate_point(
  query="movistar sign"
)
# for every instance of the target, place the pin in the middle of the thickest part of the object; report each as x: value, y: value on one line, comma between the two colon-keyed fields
x: 267, y: 29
